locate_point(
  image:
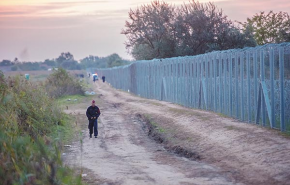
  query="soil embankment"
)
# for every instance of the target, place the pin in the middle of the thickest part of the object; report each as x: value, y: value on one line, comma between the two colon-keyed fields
x: 193, y: 146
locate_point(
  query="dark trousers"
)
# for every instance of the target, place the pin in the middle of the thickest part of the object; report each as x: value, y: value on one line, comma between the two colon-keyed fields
x: 93, y: 126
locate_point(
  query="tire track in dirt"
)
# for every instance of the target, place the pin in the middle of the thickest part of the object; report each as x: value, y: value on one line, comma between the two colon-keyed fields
x: 124, y: 154
x: 248, y: 153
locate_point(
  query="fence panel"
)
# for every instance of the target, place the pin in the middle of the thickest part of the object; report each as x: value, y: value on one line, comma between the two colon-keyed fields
x: 250, y: 84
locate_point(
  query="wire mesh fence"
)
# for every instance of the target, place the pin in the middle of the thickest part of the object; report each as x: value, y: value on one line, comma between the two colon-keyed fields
x: 250, y: 84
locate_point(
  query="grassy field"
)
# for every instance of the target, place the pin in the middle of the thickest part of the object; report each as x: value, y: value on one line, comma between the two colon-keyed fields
x: 39, y: 75
x: 33, y: 131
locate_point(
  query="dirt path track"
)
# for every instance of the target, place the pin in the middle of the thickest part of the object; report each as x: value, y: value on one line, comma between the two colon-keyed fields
x: 231, y: 152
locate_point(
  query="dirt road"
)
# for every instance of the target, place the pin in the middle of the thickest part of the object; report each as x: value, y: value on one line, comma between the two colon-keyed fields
x: 225, y: 151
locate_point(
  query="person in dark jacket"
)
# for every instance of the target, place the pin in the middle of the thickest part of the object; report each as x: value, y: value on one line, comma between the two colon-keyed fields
x: 104, y: 79
x: 93, y: 112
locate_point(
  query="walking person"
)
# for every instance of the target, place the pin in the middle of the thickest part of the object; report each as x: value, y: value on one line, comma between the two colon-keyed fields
x: 104, y: 79
x: 93, y: 112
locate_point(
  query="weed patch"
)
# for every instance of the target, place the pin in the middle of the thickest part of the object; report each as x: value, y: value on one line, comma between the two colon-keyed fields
x: 61, y: 83
x: 32, y: 130
x: 71, y: 99
x: 160, y: 135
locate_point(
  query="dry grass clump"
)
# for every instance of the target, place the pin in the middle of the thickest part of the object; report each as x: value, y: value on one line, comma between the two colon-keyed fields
x: 61, y: 83
x: 29, y: 154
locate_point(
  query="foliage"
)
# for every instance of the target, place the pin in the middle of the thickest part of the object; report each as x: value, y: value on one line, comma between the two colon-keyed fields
x: 14, y: 68
x: 149, y: 31
x: 269, y: 27
x: 27, y: 154
x: 29, y: 66
x: 71, y: 99
x: 61, y: 83
x: 71, y: 65
x: 114, y: 60
x: 66, y: 61
x: 6, y: 63
x: 103, y: 62
x: 94, y: 61
x: 64, y: 57
x: 202, y: 27
x: 160, y: 30
x: 49, y: 62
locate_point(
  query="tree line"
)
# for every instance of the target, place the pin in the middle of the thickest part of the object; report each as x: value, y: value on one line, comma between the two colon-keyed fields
x: 162, y: 30
x: 66, y: 61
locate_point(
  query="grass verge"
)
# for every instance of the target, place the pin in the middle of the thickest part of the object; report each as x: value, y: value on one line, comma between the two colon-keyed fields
x: 165, y: 137
x: 32, y: 131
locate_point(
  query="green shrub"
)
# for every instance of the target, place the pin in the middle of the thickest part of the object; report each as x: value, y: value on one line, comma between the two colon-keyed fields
x: 60, y: 83
x: 14, y: 68
x: 28, y: 120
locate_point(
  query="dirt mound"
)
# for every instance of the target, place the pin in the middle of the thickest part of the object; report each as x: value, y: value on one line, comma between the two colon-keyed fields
x: 154, y: 133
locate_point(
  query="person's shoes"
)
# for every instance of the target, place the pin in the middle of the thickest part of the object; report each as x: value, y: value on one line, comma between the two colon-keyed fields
x: 96, y: 136
x: 90, y: 135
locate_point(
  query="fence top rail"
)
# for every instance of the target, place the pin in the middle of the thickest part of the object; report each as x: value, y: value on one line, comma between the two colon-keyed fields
x: 213, y: 55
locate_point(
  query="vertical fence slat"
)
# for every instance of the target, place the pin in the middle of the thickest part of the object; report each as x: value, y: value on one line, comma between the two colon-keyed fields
x: 255, y: 80
x: 215, y: 84
x: 230, y: 85
x: 248, y: 85
x: 273, y: 125
x: 225, y: 82
x: 242, y: 86
x: 262, y: 73
x: 220, y: 83
x: 282, y: 100
x: 237, y: 86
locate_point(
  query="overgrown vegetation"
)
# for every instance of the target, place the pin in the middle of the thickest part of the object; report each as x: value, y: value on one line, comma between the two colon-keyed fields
x: 162, y: 30
x: 269, y: 27
x: 168, y: 137
x: 61, y: 83
x: 28, y: 120
x: 66, y: 61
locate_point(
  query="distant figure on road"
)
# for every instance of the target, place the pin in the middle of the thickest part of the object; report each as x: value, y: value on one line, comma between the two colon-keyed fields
x: 95, y: 77
x: 104, y: 79
x: 93, y: 112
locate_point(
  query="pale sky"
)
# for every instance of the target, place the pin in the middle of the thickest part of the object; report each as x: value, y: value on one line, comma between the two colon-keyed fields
x: 35, y: 30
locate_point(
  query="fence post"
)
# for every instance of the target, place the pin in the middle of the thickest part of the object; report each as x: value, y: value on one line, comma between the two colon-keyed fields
x: 227, y: 81
x: 242, y: 86
x: 237, y: 86
x: 255, y: 80
x: 282, y: 103
x: 273, y: 125
x: 262, y: 73
x: 249, y: 85
x: 230, y: 85
x: 220, y: 85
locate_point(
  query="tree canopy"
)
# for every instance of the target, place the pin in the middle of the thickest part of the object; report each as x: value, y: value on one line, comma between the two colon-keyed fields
x: 269, y: 27
x: 161, y: 30
x: 149, y: 31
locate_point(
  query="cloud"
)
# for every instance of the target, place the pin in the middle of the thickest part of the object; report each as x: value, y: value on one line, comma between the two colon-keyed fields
x: 49, y: 9
x: 241, y: 9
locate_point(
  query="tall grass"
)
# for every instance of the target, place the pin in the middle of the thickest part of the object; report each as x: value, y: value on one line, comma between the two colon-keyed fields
x: 28, y: 118
x: 61, y: 83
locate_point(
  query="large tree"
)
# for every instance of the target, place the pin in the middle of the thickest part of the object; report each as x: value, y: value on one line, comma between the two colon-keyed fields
x: 160, y: 30
x: 66, y: 61
x: 269, y: 27
x: 65, y: 56
x: 149, y: 31
x: 6, y: 63
x: 202, y: 27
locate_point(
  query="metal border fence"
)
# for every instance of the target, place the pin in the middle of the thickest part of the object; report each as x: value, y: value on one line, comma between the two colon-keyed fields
x: 250, y: 84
